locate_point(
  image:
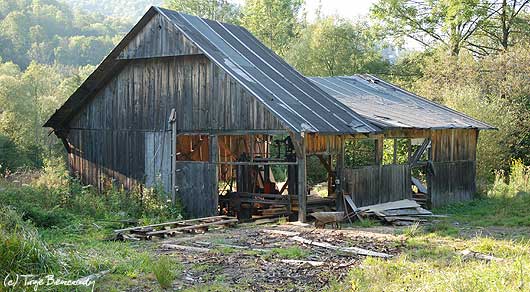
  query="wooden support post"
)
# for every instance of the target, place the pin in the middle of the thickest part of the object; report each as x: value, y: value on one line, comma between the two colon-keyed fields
x: 394, y: 159
x: 173, y: 123
x: 331, y: 177
x: 409, y: 149
x: 299, y: 143
x: 214, y: 159
x: 339, y: 180
x: 379, y: 150
x: 302, y: 182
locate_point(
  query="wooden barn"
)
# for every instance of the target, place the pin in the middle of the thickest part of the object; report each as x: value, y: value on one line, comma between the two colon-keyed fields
x: 206, y: 111
x: 437, y: 144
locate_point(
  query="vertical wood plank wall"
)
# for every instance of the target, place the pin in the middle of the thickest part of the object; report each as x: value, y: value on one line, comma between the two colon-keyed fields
x: 453, y: 154
x: 454, y: 164
x: 378, y: 184
x: 196, y: 188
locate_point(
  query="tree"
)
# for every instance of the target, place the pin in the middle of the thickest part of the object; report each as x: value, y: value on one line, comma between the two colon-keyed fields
x: 275, y: 22
x: 31, y: 30
x: 220, y: 10
x: 509, y: 22
x: 455, y: 24
x: 333, y: 46
x: 493, y: 89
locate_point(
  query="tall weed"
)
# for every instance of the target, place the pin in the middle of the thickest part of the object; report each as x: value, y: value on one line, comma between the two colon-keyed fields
x: 21, y: 249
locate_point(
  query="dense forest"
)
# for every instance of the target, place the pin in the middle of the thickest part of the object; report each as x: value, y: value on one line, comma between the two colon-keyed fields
x: 475, y: 57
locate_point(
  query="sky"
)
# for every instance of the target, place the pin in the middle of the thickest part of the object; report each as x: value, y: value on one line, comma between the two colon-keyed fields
x: 350, y: 9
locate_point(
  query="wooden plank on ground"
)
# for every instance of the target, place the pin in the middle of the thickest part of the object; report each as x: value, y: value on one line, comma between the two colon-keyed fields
x: 192, y: 227
x: 187, y: 222
x: 350, y: 250
x: 402, y: 204
x: 184, y: 248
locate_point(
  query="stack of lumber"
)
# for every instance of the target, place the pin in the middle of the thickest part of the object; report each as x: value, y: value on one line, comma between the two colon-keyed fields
x: 401, y: 213
x: 175, y: 227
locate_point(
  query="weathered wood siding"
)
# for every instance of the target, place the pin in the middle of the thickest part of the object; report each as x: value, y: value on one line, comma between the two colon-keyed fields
x: 207, y: 99
x: 323, y: 144
x: 123, y: 132
x: 454, y: 181
x: 453, y: 155
x: 454, y: 144
x: 157, y: 39
x: 378, y: 184
x: 196, y: 185
x: 158, y: 159
x: 97, y: 156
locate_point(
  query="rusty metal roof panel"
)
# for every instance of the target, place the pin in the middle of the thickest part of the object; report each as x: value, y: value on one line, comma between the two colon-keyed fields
x: 389, y: 106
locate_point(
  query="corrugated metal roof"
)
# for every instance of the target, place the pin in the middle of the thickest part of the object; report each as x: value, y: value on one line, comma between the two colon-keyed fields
x: 389, y: 106
x: 295, y: 100
x: 288, y: 94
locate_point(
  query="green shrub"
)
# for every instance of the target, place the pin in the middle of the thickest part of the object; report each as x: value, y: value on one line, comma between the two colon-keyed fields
x: 21, y: 249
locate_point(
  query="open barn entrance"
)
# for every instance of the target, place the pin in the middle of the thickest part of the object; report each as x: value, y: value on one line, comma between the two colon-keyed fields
x: 254, y: 176
x: 257, y: 175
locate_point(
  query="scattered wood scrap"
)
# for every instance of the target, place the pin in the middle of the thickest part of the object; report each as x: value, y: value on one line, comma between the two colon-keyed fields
x: 175, y: 227
x: 294, y: 236
x: 300, y: 262
x: 349, y: 250
x: 184, y: 248
x: 468, y: 254
x: 401, y: 213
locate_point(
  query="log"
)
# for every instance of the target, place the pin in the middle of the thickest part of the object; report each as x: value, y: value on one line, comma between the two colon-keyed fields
x: 350, y: 250
x: 184, y: 248
x: 299, y: 262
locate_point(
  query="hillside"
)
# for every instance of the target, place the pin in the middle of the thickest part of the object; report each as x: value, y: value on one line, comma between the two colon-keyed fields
x: 127, y: 9
x: 50, y: 32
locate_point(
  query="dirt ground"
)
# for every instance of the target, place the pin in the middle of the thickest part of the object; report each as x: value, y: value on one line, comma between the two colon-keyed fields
x: 251, y: 258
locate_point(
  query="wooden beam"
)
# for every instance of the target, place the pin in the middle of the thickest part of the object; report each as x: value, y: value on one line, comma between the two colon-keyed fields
x: 234, y: 132
x: 257, y: 163
x: 379, y: 147
x: 394, y: 158
x: 417, y: 155
x: 173, y: 122
x: 339, y: 186
x: 299, y: 144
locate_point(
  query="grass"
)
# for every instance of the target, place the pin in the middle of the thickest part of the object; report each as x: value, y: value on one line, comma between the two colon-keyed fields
x: 56, y: 226
x: 505, y: 204
x: 432, y: 259
x: 22, y: 250
x: 292, y: 252
x: 429, y: 266
x: 164, y: 271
